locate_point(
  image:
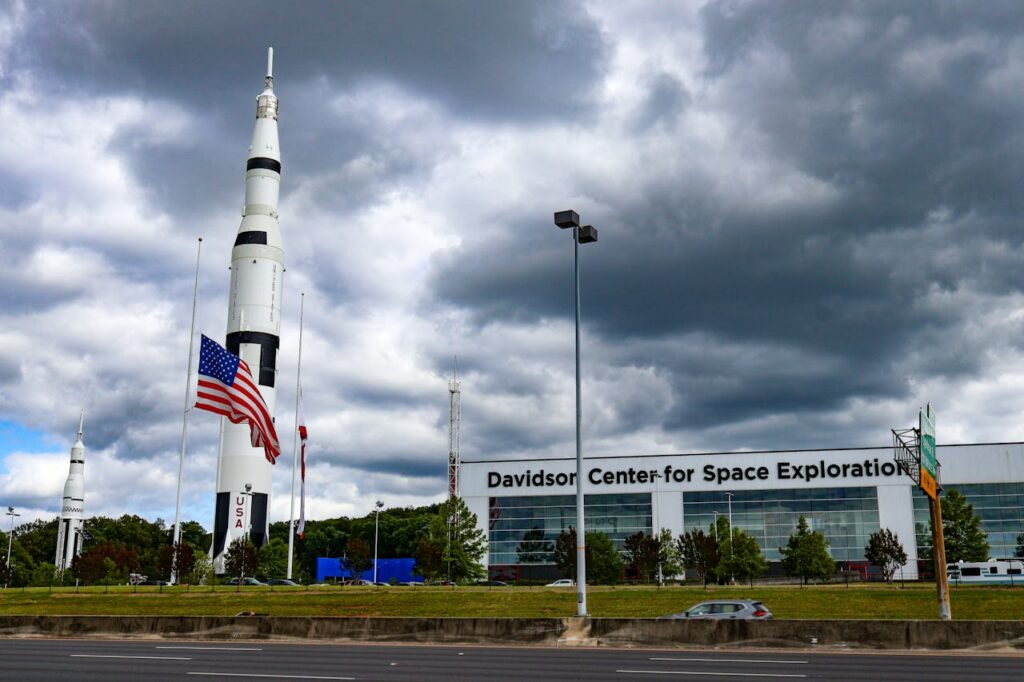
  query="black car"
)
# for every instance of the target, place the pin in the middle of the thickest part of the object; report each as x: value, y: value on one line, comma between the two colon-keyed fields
x: 155, y: 583
x: 282, y: 581
x: 491, y: 583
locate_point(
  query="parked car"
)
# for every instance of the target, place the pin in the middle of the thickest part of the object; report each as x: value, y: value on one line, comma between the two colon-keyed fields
x: 245, y: 581
x: 282, y: 581
x: 412, y: 583
x: 157, y: 583
x: 739, y: 609
x: 491, y: 583
x: 562, y: 582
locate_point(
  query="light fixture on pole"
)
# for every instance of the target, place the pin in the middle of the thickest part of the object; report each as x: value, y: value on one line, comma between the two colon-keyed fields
x: 10, y: 540
x: 378, y: 505
x: 581, y: 234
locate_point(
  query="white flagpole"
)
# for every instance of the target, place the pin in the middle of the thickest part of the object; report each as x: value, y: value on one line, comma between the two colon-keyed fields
x: 295, y: 434
x: 184, y: 416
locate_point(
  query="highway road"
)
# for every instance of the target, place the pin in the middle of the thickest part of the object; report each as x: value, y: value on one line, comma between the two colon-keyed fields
x: 158, y: 660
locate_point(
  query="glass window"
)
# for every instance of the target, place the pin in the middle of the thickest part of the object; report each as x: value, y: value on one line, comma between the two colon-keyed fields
x: 847, y: 516
x: 999, y: 505
x: 523, y: 530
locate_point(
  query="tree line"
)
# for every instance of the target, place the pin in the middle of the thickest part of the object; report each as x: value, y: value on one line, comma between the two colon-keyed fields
x: 445, y: 541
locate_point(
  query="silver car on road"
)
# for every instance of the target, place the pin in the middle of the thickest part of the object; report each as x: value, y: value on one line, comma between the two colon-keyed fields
x: 738, y: 609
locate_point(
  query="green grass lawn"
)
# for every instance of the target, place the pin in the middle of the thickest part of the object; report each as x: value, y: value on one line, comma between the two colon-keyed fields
x: 816, y: 602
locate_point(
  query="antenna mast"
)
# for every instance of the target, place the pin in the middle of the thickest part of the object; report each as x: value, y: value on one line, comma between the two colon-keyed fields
x: 454, y: 427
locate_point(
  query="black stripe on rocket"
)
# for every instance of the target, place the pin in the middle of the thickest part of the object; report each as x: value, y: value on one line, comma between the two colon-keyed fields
x: 263, y: 163
x: 268, y: 344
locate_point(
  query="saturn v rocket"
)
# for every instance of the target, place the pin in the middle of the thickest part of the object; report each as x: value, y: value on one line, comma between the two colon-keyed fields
x: 69, y: 531
x: 253, y: 331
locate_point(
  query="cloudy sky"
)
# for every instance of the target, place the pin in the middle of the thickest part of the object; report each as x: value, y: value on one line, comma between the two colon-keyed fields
x: 810, y: 221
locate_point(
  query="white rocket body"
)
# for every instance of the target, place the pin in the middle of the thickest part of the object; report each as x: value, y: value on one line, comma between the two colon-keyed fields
x: 72, y: 510
x: 253, y: 331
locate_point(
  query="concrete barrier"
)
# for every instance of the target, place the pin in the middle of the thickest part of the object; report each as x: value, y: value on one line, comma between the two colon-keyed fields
x: 599, y: 632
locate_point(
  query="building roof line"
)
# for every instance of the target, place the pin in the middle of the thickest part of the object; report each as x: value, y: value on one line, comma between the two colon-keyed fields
x: 731, y: 452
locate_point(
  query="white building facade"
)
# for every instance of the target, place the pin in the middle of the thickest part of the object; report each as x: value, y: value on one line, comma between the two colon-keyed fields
x: 523, y: 505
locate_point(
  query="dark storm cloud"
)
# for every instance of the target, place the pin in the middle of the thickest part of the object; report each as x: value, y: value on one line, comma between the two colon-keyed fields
x: 827, y: 294
x: 523, y: 59
x: 505, y: 61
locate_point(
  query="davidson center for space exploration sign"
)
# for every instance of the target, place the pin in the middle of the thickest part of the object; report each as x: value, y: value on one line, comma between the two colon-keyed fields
x: 733, y: 471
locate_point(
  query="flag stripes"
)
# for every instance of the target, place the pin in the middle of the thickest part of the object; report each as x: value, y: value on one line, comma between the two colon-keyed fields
x: 226, y: 387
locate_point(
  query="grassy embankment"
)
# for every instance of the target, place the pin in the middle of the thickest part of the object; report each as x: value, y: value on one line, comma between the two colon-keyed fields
x: 789, y: 602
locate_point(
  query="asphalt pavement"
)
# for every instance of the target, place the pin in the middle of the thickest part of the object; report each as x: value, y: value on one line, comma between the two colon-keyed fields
x: 158, y: 660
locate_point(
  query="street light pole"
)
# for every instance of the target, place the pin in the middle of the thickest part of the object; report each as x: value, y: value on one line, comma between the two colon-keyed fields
x: 245, y: 530
x: 729, y: 495
x: 378, y: 505
x: 581, y: 234
x: 10, y: 540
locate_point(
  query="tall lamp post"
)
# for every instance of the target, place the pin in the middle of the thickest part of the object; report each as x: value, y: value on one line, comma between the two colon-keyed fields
x: 581, y: 234
x: 377, y: 506
x: 245, y: 531
x: 10, y: 540
x: 729, y: 495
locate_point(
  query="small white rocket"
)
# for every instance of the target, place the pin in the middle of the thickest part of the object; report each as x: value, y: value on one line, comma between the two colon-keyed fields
x: 72, y: 510
x: 254, y: 327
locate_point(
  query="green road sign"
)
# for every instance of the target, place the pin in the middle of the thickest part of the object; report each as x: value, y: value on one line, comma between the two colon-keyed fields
x: 929, y: 463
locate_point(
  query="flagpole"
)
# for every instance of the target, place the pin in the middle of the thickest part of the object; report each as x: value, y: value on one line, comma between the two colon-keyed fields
x: 295, y: 434
x: 184, y: 416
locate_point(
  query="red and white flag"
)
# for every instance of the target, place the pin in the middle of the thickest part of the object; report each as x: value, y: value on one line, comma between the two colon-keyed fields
x: 226, y: 387
x: 303, y: 435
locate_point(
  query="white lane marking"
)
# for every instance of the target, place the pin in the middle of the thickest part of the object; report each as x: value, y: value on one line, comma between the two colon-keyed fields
x: 273, y: 677
x: 151, y: 658
x: 688, y: 672
x: 211, y: 648
x: 728, y: 660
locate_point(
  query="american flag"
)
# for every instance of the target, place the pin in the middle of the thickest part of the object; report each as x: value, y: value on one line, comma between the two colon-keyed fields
x: 226, y: 387
x: 303, y: 435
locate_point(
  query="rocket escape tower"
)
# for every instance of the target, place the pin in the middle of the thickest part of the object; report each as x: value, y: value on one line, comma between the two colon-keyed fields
x: 454, y: 427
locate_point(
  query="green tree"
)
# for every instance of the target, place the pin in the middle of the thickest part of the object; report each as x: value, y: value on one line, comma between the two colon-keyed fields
x: 643, y: 553
x: 273, y: 559
x: 961, y: 528
x: 241, y: 559
x: 565, y: 553
x: 1020, y: 546
x: 463, y: 545
x: 699, y: 552
x: 201, y: 570
x: 885, y: 550
x: 669, y: 561
x: 604, y: 562
x: 111, y: 575
x: 43, y: 575
x: 534, y: 549
x: 39, y: 538
x: 359, y: 557
x: 806, y: 554
x: 429, y: 560
x: 744, y: 561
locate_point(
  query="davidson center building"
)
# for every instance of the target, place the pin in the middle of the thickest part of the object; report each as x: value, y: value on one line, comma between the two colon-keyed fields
x: 523, y: 505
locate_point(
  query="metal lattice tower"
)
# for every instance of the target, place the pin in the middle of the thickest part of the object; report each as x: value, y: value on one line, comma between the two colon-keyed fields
x: 454, y: 426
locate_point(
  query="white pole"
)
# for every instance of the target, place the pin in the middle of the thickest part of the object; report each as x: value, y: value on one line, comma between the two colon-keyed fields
x: 581, y: 533
x: 295, y: 434
x: 184, y: 416
x: 376, y: 529
x: 10, y: 540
